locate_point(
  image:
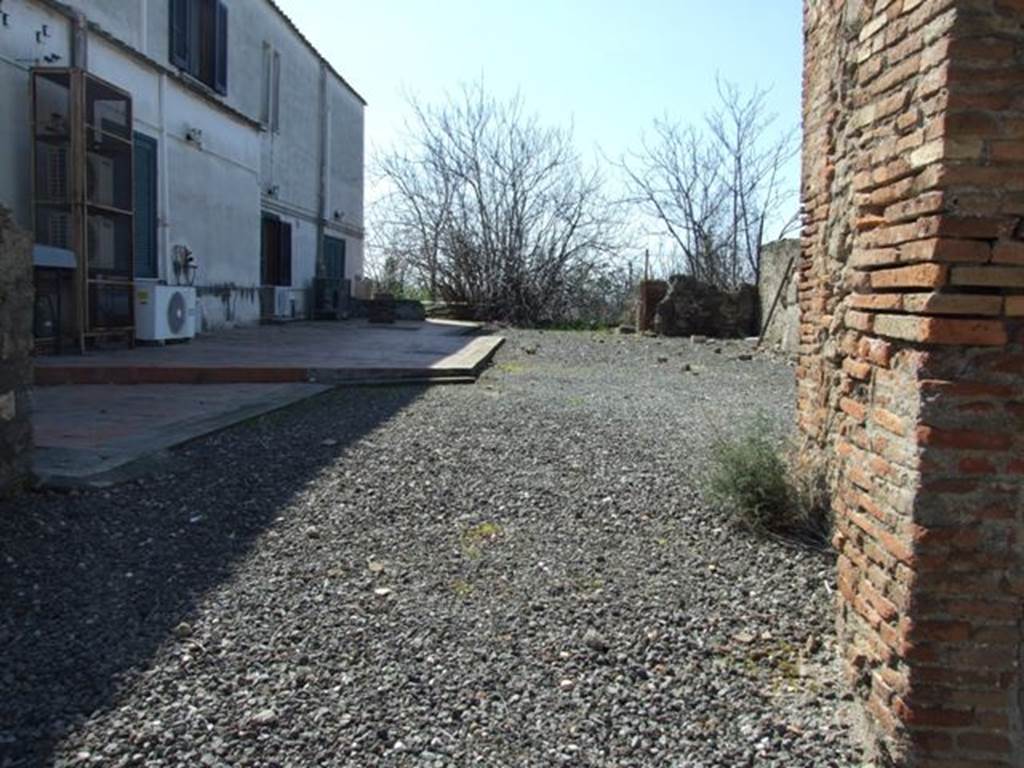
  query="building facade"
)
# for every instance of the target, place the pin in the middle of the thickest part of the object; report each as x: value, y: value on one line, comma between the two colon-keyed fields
x: 247, y: 146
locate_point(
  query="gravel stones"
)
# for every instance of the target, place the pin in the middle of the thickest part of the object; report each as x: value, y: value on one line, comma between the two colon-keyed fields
x: 520, y: 572
x: 596, y: 641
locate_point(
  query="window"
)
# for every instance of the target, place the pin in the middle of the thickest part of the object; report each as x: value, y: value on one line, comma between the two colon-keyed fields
x: 270, y: 109
x: 334, y: 257
x: 199, y: 40
x: 275, y: 251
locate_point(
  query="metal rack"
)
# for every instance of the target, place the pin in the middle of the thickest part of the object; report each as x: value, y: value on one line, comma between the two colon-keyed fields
x: 83, y: 197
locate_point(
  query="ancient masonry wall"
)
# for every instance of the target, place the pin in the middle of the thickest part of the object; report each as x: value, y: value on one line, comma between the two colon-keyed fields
x: 911, y: 371
x: 15, y: 353
x: 779, y: 314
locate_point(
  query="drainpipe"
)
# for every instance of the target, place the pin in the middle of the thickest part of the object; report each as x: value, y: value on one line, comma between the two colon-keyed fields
x: 79, y: 60
x: 163, y: 173
x: 79, y: 41
x: 321, y: 214
x: 144, y: 29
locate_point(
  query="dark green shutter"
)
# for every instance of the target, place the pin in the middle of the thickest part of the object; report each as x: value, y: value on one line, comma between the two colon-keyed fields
x: 144, y: 192
x: 334, y: 258
x: 180, y: 12
x: 220, y: 53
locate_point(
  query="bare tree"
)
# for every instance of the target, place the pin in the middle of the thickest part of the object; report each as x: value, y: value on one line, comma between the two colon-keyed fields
x: 713, y: 188
x: 486, y: 206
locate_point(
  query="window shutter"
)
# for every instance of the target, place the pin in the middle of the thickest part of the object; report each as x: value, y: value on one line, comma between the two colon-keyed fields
x: 220, y: 57
x: 145, y: 221
x: 334, y: 258
x: 275, y: 85
x: 286, y: 254
x: 179, y: 25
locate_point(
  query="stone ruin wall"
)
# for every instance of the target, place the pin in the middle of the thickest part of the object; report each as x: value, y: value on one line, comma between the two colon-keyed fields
x: 911, y: 362
x: 15, y: 353
x: 779, y: 311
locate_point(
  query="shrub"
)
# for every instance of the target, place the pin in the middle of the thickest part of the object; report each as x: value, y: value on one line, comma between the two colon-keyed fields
x: 756, y: 481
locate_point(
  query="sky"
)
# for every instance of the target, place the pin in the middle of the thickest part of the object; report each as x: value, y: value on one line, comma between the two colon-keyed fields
x: 609, y: 68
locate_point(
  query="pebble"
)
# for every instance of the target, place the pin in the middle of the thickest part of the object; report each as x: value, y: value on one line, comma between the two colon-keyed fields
x: 343, y: 608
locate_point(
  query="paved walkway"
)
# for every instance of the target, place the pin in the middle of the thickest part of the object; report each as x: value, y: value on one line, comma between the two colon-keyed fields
x: 108, y: 416
x: 100, y: 435
x: 296, y: 352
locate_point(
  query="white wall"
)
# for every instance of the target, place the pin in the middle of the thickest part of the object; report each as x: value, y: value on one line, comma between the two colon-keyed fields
x: 19, y: 51
x: 209, y: 197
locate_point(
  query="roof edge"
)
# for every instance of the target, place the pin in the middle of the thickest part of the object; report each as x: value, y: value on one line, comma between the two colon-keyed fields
x: 330, y: 67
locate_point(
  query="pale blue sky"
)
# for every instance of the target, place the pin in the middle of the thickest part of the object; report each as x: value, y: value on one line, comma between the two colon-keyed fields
x: 609, y: 67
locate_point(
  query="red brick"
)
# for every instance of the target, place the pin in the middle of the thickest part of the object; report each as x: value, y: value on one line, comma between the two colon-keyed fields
x: 976, y: 466
x: 946, y: 250
x: 941, y: 330
x: 858, y: 369
x: 888, y: 421
x: 1008, y: 252
x: 917, y: 276
x: 877, y: 351
x: 964, y: 438
x: 931, y: 716
x: 989, y: 276
x: 851, y: 407
x: 984, y: 742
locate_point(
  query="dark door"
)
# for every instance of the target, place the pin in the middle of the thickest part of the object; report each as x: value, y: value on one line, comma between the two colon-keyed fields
x: 275, y: 251
x: 144, y: 190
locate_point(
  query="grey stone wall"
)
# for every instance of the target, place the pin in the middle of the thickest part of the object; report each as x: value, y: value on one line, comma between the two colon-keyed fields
x: 692, y: 307
x: 15, y: 353
x: 783, y: 328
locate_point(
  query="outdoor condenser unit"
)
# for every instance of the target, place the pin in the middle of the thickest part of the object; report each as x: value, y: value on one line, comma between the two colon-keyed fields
x: 277, y: 302
x: 99, y: 179
x: 164, y: 312
x: 101, y: 242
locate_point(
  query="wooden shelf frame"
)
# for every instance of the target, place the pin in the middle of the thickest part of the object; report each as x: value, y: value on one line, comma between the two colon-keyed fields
x: 78, y: 139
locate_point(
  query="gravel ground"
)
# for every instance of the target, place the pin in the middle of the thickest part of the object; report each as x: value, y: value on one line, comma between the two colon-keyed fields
x: 518, y: 572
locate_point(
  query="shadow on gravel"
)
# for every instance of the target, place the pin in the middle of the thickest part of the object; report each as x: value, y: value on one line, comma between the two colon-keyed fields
x: 91, y: 585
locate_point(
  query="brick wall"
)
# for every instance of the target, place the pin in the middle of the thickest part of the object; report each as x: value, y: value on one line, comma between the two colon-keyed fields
x: 15, y: 349
x: 911, y: 373
x: 649, y: 293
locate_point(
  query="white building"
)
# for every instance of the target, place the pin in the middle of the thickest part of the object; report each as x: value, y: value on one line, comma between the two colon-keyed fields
x: 246, y: 166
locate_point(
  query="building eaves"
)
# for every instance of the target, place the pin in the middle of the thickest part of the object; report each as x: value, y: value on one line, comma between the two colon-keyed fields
x: 142, y: 58
x: 330, y: 68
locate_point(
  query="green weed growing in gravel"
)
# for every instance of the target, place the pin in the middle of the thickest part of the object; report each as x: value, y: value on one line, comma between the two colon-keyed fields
x: 462, y: 588
x: 764, y: 488
x: 474, y: 538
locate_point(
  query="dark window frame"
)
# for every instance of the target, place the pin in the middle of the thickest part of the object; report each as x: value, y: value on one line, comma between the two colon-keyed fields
x: 199, y: 41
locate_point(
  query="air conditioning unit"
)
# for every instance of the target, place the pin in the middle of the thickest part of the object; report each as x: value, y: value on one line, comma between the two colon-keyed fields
x: 164, y: 312
x: 53, y: 175
x: 330, y: 298
x: 277, y: 302
x: 99, y: 179
x: 101, y: 243
x: 58, y: 229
